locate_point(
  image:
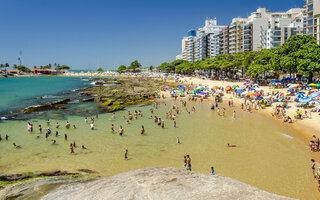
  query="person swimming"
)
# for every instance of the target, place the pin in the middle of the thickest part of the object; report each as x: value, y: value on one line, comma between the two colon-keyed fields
x: 83, y: 147
x: 232, y: 145
x: 16, y: 146
x: 53, y: 141
x: 126, y: 154
x: 67, y: 125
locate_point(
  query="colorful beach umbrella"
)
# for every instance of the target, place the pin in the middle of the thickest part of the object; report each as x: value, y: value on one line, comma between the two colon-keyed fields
x: 192, y: 91
x: 299, y: 95
x: 216, y: 87
x: 314, y: 95
x: 305, y: 99
x: 180, y: 91
x: 318, y: 84
x: 291, y: 91
x: 312, y: 85
x: 234, y: 86
x: 239, y: 91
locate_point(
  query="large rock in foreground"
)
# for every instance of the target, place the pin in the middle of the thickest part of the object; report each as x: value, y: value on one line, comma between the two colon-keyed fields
x: 161, y: 183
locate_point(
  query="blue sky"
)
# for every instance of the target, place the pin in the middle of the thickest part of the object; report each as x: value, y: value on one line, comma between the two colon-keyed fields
x: 87, y: 34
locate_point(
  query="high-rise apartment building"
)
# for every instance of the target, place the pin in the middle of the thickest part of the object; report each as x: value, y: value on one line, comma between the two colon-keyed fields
x: 312, y: 18
x: 224, y: 40
x: 203, y: 43
x: 236, y: 35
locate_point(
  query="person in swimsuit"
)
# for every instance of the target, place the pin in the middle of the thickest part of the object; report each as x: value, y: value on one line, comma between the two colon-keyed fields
x: 178, y: 140
x: 120, y: 130
x: 185, y: 161
x: 65, y: 137
x: 232, y: 145
x: 57, y: 134
x: 16, y: 146
x: 174, y: 123
x: 313, y: 166
x: 67, y: 125
x: 40, y: 129
x: 91, y: 126
x: 188, y: 163
x: 112, y: 128
x: 113, y: 116
x: 126, y: 154
x: 86, y: 120
x: 48, y: 123
x: 6, y: 137
x: 83, y: 147
x: 71, y: 149
x: 142, y: 130
x: 212, y: 171
x: 57, y: 125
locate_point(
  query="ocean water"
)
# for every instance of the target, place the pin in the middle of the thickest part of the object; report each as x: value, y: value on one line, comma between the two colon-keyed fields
x: 265, y: 156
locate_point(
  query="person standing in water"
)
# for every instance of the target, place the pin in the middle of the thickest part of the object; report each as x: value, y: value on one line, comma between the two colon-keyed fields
x: 234, y: 114
x: 57, y: 125
x: 121, y: 130
x: 67, y: 125
x: 71, y: 149
x: 212, y: 171
x: 65, y: 137
x: 48, y: 123
x: 142, y: 130
x: 178, y: 140
x: 126, y: 154
x: 188, y: 163
x: 174, y: 123
x: 113, y: 116
x: 7, y: 137
x: 86, y: 120
x: 112, y: 128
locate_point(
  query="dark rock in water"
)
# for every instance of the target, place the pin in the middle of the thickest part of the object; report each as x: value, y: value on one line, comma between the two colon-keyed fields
x: 87, y: 100
x: 48, y: 106
x: 18, y: 177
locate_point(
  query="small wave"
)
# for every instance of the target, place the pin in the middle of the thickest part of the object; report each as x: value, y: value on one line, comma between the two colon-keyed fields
x: 3, y: 118
x: 287, y: 136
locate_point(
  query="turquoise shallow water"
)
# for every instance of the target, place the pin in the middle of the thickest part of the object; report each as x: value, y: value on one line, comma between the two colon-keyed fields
x: 23, y: 91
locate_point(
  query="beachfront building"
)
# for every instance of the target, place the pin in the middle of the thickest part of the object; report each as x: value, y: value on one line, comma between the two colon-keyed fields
x: 312, y: 18
x: 224, y: 40
x: 281, y: 26
x: 236, y: 35
x: 201, y: 43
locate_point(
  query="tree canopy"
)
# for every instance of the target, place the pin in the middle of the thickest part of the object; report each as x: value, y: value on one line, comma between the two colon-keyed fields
x: 121, y: 68
x: 62, y: 67
x: 134, y: 64
x: 299, y: 55
x: 22, y: 68
x: 100, y: 70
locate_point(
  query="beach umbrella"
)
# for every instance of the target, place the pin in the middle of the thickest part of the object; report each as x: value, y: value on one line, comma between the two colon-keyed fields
x: 274, y: 89
x: 257, y: 89
x: 251, y: 89
x: 250, y: 93
x: 305, y: 99
x: 179, y: 86
x: 312, y: 85
x: 318, y: 84
x: 314, y: 95
x: 172, y: 92
x: 218, y: 91
x: 192, y: 91
x: 291, y: 91
x: 234, y: 86
x: 198, y: 92
x: 244, y: 93
x: 216, y: 87
x: 180, y: 91
x: 299, y: 95
x: 239, y: 91
x: 257, y: 94
x: 259, y: 98
x: 203, y: 93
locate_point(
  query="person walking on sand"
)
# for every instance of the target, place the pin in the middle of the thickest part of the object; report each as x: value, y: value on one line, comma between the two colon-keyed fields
x: 178, y: 140
x: 313, y: 166
x: 185, y: 161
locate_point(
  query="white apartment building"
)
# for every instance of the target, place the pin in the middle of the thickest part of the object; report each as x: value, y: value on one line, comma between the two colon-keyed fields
x: 202, y: 43
x: 312, y: 18
x: 236, y: 35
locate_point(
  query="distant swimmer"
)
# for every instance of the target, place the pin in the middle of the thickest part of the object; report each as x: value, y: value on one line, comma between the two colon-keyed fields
x: 48, y: 123
x: 126, y: 154
x: 7, y: 137
x: 83, y: 147
x: 65, y: 137
x: 16, y: 146
x: 91, y: 126
x: 57, y: 125
x: 232, y: 145
x: 142, y: 130
x: 67, y: 125
x: 178, y: 140
x: 57, y: 134
x: 53, y: 141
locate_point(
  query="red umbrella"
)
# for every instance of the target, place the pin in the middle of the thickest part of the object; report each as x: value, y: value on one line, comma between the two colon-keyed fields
x: 257, y: 94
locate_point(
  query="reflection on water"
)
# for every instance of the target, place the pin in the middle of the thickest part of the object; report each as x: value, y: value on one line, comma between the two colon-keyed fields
x: 264, y: 157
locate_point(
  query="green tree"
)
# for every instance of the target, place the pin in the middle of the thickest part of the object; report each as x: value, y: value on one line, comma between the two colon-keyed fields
x: 121, y: 68
x: 100, y: 70
x: 22, y: 68
x: 62, y: 67
x: 134, y: 64
x: 151, y: 68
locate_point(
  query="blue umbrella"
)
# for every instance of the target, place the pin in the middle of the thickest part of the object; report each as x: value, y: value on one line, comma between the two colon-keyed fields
x: 178, y: 86
x: 251, y: 89
x: 198, y: 92
x: 259, y: 98
x: 305, y: 99
x: 299, y: 95
x: 275, y: 100
x: 239, y: 91
x: 291, y: 91
x: 172, y: 92
x: 315, y: 94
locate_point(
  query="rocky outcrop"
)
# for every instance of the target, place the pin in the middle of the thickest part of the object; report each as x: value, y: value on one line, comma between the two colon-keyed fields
x: 48, y: 106
x: 161, y: 183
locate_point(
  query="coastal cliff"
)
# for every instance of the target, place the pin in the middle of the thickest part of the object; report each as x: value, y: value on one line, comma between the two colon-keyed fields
x: 161, y: 183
